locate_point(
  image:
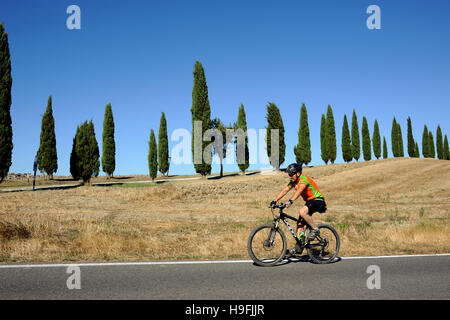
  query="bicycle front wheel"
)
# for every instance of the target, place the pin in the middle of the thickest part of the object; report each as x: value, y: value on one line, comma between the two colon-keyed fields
x: 266, y: 245
x: 325, y: 247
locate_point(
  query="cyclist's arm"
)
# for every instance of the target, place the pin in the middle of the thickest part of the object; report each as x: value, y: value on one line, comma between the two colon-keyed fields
x: 299, y: 191
x: 282, y: 193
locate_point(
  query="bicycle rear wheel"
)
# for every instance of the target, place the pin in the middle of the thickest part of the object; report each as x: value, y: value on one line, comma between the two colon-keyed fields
x: 266, y: 245
x: 325, y: 247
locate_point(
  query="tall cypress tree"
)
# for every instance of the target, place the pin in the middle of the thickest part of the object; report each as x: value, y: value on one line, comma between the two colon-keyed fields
x: 376, y: 140
x: 331, y: 135
x: 303, y: 149
x: 47, y: 156
x: 394, y: 139
x: 6, y: 134
x: 385, y: 149
x: 323, y: 139
x: 152, y: 156
x: 439, y: 143
x: 356, y: 147
x: 242, y: 153
x: 87, y: 152
x: 74, y: 171
x: 346, y: 143
x: 201, y: 111
x: 411, y: 142
x: 108, y: 144
x: 431, y: 148
x: 446, y: 149
x: 163, y: 146
x: 401, y: 152
x: 425, y: 139
x: 367, y: 148
x: 274, y: 121
x: 96, y: 151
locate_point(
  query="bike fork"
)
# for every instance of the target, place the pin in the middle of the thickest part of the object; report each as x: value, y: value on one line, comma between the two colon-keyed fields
x: 273, y: 232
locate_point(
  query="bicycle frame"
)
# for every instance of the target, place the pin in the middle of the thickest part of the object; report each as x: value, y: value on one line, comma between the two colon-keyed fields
x: 283, y: 216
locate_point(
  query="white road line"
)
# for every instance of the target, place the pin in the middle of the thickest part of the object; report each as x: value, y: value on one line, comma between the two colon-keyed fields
x: 105, y: 264
x: 399, y: 256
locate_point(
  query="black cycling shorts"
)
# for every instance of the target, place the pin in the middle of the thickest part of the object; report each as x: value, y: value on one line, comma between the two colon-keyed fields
x: 316, y: 206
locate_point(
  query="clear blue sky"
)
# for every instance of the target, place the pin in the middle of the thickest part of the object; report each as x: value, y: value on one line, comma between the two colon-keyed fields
x: 140, y: 55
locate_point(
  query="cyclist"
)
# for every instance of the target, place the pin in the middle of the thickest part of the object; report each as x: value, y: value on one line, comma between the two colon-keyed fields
x: 307, y: 188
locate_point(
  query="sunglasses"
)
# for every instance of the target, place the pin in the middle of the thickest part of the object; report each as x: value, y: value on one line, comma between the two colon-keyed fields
x: 292, y: 174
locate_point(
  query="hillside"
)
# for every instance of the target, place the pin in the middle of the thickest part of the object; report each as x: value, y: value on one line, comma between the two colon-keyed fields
x: 392, y: 206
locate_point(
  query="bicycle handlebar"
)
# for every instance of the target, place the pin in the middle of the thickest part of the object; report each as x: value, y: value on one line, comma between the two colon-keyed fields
x: 279, y: 206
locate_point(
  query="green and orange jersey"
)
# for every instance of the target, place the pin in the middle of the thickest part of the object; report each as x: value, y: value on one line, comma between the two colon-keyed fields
x: 311, y: 192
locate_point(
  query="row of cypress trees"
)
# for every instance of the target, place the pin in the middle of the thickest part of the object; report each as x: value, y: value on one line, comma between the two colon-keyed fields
x: 351, y: 140
x: 85, y: 155
x: 428, y: 149
x: 350, y: 144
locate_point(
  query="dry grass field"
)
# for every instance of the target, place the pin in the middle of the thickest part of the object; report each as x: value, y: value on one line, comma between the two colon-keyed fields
x: 382, y: 207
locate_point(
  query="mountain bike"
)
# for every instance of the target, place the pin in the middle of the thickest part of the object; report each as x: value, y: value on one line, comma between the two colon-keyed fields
x: 267, y: 244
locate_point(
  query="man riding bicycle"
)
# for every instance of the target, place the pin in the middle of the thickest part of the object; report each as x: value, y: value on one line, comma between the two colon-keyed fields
x: 307, y: 188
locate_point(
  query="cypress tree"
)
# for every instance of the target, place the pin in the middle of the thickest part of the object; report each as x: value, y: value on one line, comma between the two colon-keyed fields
x: 385, y: 149
x: 431, y: 148
x: 163, y: 143
x: 152, y: 156
x: 416, y: 150
x: 274, y: 121
x: 346, y: 144
x: 323, y: 139
x: 74, y: 171
x: 367, y: 148
x: 376, y: 140
x: 425, y: 139
x: 87, y: 152
x: 356, y: 147
x: 331, y: 135
x: 95, y: 150
x: 47, y: 156
x: 6, y: 134
x: 303, y: 149
x: 201, y: 111
x: 401, y: 152
x: 108, y: 144
x: 446, y: 149
x: 394, y: 139
x: 243, y: 157
x: 439, y: 143
x: 411, y: 143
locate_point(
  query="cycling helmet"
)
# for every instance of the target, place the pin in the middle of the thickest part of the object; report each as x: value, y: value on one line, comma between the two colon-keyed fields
x: 293, y: 168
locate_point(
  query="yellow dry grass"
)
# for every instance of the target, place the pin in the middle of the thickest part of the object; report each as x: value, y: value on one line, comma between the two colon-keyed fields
x: 393, y: 206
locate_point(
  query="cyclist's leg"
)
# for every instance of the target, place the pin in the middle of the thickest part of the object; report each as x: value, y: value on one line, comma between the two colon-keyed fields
x: 305, y: 215
x: 301, y: 224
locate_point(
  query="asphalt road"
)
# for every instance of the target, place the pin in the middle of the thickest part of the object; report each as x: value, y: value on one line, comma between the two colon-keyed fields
x: 405, y: 277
